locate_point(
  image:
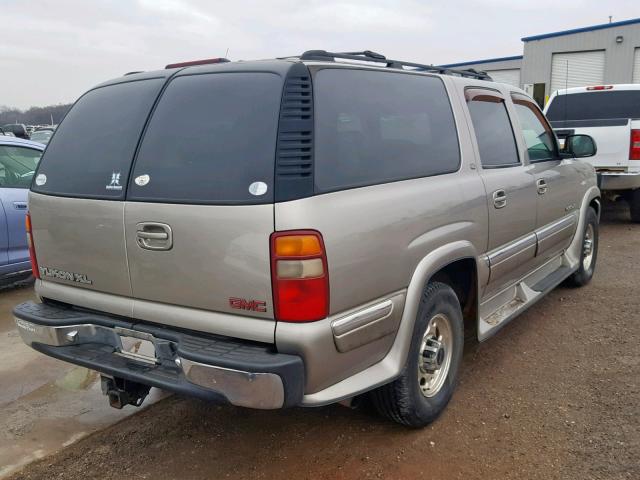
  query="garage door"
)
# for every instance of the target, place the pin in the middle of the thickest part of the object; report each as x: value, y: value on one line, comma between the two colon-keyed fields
x: 510, y: 76
x: 636, y: 66
x: 577, y: 69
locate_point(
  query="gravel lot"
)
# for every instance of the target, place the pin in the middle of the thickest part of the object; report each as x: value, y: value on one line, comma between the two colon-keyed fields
x: 556, y: 394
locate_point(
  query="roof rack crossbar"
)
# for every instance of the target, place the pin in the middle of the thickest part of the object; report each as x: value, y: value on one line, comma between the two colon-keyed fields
x: 369, y: 56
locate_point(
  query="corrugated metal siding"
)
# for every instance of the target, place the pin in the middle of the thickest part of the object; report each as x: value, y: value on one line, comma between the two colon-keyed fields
x: 536, y: 67
x: 636, y: 66
x: 577, y: 69
x: 510, y: 76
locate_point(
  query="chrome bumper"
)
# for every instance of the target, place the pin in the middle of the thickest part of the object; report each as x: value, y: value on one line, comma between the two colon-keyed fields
x: 262, y: 390
x: 618, y: 181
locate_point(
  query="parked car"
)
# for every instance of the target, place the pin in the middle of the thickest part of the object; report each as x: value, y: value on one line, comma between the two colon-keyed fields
x: 18, y: 130
x: 300, y: 231
x: 42, y: 136
x: 18, y: 161
x: 611, y: 115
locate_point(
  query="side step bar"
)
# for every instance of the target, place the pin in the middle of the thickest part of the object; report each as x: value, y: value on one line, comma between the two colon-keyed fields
x: 552, y: 280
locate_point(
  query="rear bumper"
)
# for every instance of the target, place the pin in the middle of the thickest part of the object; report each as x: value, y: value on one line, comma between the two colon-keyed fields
x: 618, y: 181
x: 217, y: 368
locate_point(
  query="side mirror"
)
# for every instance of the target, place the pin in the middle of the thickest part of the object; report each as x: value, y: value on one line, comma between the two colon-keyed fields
x: 579, y: 146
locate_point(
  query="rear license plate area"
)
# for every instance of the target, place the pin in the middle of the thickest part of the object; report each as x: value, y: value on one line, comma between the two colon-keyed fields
x: 137, y: 346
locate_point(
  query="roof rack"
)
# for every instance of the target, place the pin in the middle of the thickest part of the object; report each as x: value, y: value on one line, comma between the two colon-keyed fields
x: 369, y: 56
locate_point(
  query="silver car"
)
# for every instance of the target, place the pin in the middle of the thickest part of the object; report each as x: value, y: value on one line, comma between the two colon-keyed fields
x: 300, y: 231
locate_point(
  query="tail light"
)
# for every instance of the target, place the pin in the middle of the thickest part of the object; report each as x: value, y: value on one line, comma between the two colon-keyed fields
x: 32, y: 248
x: 601, y: 87
x: 299, y: 276
x: 634, y: 149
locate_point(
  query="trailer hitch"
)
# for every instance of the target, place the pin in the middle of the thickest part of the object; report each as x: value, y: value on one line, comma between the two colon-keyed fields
x: 122, y: 392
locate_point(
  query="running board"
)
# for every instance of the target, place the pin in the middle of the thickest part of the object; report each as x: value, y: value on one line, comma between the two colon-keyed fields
x: 511, y: 302
x: 552, y: 280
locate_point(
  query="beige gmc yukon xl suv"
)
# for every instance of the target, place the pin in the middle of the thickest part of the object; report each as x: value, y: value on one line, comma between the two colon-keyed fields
x: 300, y: 231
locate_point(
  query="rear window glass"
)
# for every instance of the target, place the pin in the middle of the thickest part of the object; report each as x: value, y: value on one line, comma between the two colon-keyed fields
x: 595, y: 105
x: 91, y: 153
x: 211, y: 139
x: 376, y: 127
x: 17, y: 165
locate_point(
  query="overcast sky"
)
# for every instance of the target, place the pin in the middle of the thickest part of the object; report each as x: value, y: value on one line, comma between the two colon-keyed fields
x: 51, y: 51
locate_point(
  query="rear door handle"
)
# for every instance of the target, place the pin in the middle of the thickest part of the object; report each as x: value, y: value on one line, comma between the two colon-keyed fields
x: 542, y: 186
x: 20, y: 205
x: 500, y: 198
x: 154, y: 236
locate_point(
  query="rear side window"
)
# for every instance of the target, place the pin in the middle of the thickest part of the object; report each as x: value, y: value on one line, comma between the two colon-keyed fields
x: 496, y: 142
x: 375, y: 127
x: 91, y: 153
x: 595, y: 105
x: 211, y: 139
x: 17, y: 165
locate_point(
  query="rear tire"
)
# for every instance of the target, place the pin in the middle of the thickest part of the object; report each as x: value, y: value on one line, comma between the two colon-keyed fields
x: 633, y: 198
x: 429, y: 377
x: 589, y: 252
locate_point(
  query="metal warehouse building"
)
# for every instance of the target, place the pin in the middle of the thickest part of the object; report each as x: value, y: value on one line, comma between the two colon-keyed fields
x: 607, y: 53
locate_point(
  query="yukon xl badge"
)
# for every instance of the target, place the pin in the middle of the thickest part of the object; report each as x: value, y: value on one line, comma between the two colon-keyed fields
x: 115, y: 182
x: 64, y: 275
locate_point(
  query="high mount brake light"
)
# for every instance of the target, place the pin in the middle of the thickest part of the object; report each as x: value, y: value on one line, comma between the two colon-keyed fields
x: 299, y: 276
x: 192, y: 63
x: 32, y: 249
x: 634, y: 149
x: 600, y: 87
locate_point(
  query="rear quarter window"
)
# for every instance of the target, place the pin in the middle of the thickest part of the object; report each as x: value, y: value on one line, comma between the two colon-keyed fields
x: 91, y: 153
x: 375, y: 127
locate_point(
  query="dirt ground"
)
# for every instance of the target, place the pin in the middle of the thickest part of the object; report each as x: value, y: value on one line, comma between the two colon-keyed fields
x: 556, y: 394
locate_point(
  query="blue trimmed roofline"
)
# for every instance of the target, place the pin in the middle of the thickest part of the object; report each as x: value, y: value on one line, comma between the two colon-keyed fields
x: 602, y: 26
x: 487, y: 60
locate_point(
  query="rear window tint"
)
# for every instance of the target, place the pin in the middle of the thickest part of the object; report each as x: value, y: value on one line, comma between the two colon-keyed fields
x: 595, y: 105
x: 91, y: 153
x: 376, y: 127
x: 211, y: 137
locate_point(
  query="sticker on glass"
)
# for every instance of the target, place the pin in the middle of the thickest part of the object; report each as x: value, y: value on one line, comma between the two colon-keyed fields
x: 258, y: 188
x: 142, y: 180
x: 41, y: 179
x: 115, y: 182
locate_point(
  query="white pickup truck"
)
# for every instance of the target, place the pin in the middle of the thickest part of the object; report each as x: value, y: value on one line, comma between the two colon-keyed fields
x: 611, y: 115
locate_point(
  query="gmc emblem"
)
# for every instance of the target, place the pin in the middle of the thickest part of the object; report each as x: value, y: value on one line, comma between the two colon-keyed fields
x: 253, y: 305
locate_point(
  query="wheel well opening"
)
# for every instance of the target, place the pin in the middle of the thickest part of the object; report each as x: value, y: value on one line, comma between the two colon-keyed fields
x: 595, y: 204
x: 462, y: 277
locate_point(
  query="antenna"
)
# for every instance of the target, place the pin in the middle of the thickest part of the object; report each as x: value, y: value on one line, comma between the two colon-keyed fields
x: 226, y: 54
x: 610, y: 18
x: 566, y: 87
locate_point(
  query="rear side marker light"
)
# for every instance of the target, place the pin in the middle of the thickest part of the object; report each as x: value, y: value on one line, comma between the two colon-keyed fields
x: 634, y: 149
x: 32, y: 249
x: 299, y: 276
x: 601, y: 87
